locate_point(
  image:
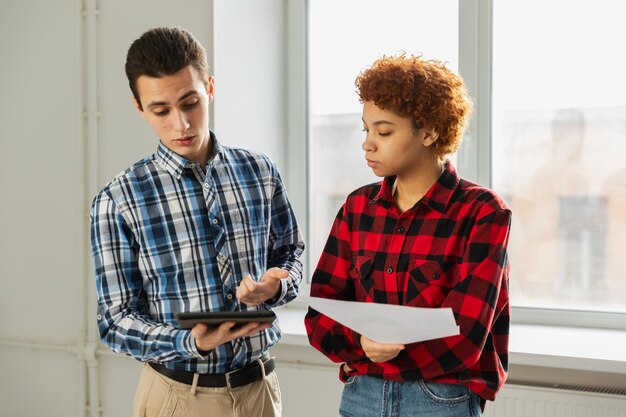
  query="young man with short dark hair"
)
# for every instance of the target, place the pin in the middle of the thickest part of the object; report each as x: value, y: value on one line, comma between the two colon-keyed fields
x: 197, y: 226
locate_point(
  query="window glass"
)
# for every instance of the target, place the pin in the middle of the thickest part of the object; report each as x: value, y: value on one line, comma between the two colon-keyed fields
x: 344, y: 38
x: 558, y: 146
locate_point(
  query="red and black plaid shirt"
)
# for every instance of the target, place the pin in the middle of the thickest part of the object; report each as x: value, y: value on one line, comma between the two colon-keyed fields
x: 449, y: 250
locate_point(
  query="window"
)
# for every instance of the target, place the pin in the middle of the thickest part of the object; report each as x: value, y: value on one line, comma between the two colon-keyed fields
x: 559, y: 136
x: 344, y: 38
x: 548, y: 134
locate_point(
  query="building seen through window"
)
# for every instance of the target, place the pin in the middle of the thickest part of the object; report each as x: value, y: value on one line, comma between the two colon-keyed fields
x: 559, y: 136
x: 558, y: 131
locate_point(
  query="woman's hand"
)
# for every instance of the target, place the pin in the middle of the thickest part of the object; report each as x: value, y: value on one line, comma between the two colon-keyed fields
x: 380, y: 352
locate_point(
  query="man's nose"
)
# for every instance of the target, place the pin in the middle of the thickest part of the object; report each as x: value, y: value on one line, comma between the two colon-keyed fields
x: 181, y: 124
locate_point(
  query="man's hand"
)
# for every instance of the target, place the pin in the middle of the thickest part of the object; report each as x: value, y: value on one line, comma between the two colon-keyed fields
x: 380, y: 352
x: 254, y: 293
x: 210, y: 337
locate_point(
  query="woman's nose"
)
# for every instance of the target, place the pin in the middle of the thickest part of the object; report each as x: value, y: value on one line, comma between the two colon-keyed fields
x: 367, y: 144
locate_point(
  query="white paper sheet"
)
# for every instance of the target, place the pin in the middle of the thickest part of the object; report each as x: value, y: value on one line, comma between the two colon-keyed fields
x: 387, y: 323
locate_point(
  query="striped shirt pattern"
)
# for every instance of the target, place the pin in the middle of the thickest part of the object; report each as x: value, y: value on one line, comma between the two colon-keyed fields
x: 168, y: 236
x: 449, y: 250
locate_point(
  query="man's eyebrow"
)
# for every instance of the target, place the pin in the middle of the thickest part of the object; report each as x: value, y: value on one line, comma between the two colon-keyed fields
x: 165, y: 103
x: 187, y: 94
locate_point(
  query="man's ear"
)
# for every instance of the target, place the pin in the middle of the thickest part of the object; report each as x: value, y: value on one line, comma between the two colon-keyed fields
x: 138, y: 107
x: 210, y: 87
x: 430, y: 136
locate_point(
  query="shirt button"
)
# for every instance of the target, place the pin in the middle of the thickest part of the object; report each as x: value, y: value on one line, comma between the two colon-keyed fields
x: 99, y: 317
x: 215, y: 221
x: 390, y: 270
x: 229, y: 296
x: 206, y: 185
x: 401, y: 229
x: 436, y: 275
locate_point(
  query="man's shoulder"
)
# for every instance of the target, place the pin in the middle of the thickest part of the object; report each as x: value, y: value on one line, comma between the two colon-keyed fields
x: 136, y: 173
x: 243, y: 154
x: 240, y: 156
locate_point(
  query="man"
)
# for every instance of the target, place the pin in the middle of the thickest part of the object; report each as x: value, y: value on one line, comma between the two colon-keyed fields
x: 197, y: 226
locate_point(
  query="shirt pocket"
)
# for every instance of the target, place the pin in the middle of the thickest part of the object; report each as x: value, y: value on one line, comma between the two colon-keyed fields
x: 361, y: 274
x: 427, y: 284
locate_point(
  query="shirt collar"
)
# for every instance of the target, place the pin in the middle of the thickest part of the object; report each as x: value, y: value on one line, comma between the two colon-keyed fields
x: 176, y: 164
x: 437, y: 197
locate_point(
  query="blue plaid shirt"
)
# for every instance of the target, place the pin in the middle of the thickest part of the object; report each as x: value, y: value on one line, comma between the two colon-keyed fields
x: 168, y: 236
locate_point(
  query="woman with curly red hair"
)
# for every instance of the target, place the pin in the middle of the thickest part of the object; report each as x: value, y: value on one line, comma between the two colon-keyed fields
x: 422, y: 237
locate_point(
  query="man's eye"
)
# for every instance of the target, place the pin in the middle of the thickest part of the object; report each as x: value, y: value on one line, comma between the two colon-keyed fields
x: 160, y: 112
x: 191, y: 105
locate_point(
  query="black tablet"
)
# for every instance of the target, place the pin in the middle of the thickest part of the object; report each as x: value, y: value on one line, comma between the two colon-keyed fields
x: 188, y: 320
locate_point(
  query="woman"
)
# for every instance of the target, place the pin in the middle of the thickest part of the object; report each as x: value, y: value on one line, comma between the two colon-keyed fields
x: 422, y: 237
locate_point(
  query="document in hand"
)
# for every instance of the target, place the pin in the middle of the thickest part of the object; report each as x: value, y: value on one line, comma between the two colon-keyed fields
x: 386, y: 323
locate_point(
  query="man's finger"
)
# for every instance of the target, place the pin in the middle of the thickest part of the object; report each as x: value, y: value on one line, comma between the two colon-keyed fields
x: 246, y: 287
x: 277, y: 273
x: 250, y: 283
x: 260, y: 328
x: 244, y: 330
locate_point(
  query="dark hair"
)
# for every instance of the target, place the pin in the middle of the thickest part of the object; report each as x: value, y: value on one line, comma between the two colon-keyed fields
x: 164, y: 51
x: 426, y: 91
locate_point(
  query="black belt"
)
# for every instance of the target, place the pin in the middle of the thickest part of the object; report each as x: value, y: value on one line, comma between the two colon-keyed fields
x: 233, y: 379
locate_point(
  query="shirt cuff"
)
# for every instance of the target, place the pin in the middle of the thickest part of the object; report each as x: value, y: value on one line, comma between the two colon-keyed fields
x: 343, y: 375
x: 185, y: 345
x: 279, y: 295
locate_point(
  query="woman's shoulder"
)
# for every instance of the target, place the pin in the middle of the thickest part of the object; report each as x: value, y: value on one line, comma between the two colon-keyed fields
x: 480, y: 196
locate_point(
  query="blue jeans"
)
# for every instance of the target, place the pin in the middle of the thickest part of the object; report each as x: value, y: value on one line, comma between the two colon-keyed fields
x: 366, y: 396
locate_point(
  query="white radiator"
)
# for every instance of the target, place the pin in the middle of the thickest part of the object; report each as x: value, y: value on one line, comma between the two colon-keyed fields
x: 520, y: 399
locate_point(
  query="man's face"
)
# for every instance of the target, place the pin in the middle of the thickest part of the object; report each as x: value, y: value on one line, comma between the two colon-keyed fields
x: 177, y: 108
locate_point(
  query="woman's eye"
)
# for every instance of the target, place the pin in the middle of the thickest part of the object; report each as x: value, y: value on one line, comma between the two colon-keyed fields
x: 384, y: 133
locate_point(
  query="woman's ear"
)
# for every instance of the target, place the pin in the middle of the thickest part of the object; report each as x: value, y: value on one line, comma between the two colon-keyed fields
x: 430, y: 136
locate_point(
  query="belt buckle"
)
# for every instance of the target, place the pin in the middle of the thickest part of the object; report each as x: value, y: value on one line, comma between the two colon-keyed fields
x: 227, y: 376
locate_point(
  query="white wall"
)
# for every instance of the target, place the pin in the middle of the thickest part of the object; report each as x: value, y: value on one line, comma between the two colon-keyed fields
x: 53, y: 163
x: 40, y: 183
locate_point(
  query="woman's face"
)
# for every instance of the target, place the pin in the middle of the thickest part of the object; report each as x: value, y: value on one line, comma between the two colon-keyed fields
x: 393, y: 146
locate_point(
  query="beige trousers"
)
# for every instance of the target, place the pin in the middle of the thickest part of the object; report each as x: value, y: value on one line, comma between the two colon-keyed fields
x: 160, y: 396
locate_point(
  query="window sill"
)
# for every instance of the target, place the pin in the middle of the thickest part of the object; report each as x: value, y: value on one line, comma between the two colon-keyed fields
x: 569, y: 348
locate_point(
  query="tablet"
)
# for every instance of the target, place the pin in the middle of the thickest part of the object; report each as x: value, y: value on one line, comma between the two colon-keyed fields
x: 188, y: 320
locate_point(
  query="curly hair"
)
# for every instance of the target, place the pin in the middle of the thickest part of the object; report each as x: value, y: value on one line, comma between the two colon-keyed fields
x: 425, y: 91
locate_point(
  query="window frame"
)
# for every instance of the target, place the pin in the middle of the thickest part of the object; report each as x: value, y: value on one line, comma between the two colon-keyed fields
x: 474, y: 156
